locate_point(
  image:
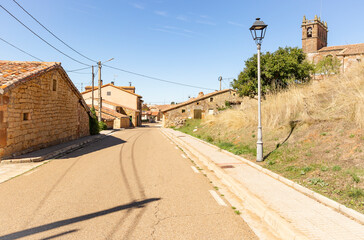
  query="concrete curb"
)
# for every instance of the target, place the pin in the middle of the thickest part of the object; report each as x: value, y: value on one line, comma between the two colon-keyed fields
x: 58, y: 152
x: 276, y: 223
x: 318, y: 197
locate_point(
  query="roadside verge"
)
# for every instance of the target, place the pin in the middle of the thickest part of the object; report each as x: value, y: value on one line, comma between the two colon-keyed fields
x: 268, y: 195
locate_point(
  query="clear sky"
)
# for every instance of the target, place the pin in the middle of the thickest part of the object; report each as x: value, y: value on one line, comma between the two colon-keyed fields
x: 187, y: 41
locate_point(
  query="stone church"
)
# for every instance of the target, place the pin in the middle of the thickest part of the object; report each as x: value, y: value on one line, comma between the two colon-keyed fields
x: 314, y: 44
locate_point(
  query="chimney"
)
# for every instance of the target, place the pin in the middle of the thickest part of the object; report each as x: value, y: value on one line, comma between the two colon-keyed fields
x: 200, y: 94
x: 112, y: 82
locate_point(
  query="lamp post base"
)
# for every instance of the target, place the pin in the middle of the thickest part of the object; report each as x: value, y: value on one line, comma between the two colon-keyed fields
x: 259, y: 151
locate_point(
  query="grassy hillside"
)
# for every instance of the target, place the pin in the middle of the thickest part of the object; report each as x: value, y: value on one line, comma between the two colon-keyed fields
x: 312, y: 134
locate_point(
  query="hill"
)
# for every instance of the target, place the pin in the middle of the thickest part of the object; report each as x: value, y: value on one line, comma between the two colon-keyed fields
x: 313, y: 134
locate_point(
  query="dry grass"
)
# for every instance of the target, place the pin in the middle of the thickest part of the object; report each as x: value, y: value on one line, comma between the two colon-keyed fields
x: 325, y: 152
x: 336, y: 98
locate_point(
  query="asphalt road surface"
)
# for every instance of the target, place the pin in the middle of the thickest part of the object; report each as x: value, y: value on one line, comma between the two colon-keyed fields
x: 134, y: 184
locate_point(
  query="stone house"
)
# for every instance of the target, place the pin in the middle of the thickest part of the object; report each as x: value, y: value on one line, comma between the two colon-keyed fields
x: 39, y: 107
x: 200, y: 107
x: 121, y: 99
x: 314, y: 44
x: 112, y: 118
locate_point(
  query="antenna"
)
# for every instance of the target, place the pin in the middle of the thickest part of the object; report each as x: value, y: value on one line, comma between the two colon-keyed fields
x: 129, y: 84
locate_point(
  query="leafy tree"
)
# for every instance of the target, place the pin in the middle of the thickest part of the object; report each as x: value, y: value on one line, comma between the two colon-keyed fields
x: 328, y: 65
x: 278, y: 70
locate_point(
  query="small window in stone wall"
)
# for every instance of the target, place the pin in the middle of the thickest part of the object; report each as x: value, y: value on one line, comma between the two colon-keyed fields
x: 198, y: 103
x: 108, y: 93
x: 309, y: 32
x: 54, y: 85
x: 26, y: 116
x: 183, y: 110
x: 211, y: 99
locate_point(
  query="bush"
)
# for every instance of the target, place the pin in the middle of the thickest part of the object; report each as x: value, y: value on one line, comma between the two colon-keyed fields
x: 102, y: 126
x: 93, y: 123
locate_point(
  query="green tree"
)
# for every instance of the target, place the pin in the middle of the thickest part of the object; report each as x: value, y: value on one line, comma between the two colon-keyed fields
x: 328, y: 65
x: 278, y: 70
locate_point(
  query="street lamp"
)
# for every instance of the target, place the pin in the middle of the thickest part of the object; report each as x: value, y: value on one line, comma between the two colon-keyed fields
x: 258, y: 32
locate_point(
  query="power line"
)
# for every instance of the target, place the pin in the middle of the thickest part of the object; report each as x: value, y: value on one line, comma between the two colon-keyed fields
x: 21, y: 50
x: 42, y: 38
x: 75, y: 70
x: 157, y: 79
x: 53, y: 33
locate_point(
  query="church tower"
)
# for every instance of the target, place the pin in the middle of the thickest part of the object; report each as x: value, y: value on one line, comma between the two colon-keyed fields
x: 314, y: 35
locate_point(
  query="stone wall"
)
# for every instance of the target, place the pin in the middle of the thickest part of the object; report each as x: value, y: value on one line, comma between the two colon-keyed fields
x: 40, y: 114
x: 207, y: 106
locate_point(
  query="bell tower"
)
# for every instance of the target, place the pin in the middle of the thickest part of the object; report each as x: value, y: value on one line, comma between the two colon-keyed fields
x: 314, y: 34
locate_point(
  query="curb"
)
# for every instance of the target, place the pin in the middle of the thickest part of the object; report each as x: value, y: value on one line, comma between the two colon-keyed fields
x: 318, y: 197
x: 279, y: 225
x: 58, y: 152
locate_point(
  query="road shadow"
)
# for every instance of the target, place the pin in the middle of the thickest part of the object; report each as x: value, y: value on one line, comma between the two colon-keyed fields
x: 61, y: 223
x: 98, y: 145
x: 293, y: 125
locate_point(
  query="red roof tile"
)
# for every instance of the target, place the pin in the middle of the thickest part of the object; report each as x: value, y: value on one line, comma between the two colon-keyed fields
x: 351, y: 49
x: 13, y: 73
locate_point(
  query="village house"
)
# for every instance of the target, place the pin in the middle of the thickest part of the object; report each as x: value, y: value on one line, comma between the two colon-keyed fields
x: 121, y: 99
x: 112, y: 118
x: 200, y: 107
x: 39, y: 107
x: 314, y: 44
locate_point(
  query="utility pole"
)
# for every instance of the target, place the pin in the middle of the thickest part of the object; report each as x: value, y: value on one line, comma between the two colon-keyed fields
x: 220, y: 79
x: 93, y: 84
x: 100, y: 98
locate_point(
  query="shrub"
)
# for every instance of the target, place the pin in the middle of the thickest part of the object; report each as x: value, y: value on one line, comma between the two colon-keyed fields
x: 102, y: 126
x: 356, y: 192
x: 93, y: 123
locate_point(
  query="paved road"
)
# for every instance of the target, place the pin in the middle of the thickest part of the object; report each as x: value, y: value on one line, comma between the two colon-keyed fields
x: 132, y: 185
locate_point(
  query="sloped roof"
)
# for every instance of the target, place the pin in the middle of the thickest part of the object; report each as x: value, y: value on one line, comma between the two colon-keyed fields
x: 117, y: 105
x: 112, y: 85
x: 192, y: 100
x: 110, y: 112
x: 351, y: 49
x: 15, y: 73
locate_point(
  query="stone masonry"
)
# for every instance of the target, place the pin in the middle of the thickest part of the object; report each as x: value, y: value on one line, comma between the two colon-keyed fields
x: 200, y: 107
x: 40, y: 112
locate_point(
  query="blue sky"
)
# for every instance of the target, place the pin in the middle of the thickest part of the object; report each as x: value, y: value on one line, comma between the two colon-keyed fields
x: 187, y: 41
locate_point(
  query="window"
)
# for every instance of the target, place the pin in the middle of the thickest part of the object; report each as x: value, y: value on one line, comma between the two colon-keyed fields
x: 26, y: 116
x: 183, y: 110
x: 198, y: 103
x: 108, y: 93
x: 211, y: 99
x: 309, y: 32
x: 54, y: 86
x: 1, y: 116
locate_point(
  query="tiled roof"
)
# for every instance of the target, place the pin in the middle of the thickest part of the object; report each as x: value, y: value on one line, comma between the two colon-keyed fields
x: 351, y: 49
x: 110, y: 112
x: 13, y: 73
x: 162, y: 107
x: 109, y: 84
x: 192, y: 100
x: 117, y: 105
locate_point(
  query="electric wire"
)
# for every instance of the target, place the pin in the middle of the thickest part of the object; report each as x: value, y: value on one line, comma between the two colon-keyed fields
x: 53, y: 33
x: 76, y: 70
x: 21, y: 50
x: 42, y: 38
x: 157, y: 79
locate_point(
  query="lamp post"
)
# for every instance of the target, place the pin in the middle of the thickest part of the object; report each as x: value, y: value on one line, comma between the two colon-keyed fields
x: 258, y: 32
